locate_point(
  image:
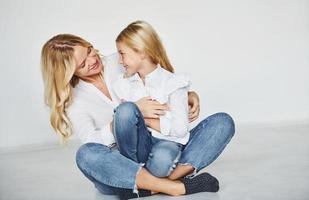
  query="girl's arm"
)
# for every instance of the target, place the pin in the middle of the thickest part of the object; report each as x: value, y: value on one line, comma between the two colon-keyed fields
x: 153, y: 123
x: 151, y: 109
x: 176, y: 122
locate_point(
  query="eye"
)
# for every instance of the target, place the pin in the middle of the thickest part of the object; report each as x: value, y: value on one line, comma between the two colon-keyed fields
x: 82, y: 65
x: 89, y: 50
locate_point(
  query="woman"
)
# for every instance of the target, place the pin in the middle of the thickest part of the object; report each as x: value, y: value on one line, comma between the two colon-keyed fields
x: 77, y: 90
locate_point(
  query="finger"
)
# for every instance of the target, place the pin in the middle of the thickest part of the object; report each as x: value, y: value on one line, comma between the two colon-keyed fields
x: 145, y: 98
x: 155, y: 102
x: 193, y: 110
x: 190, y: 115
x: 159, y: 112
x: 194, y: 115
x: 154, y: 116
x: 194, y: 107
x: 163, y: 107
x: 192, y: 119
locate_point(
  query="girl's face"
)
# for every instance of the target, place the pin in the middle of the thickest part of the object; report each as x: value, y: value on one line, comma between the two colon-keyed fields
x: 130, y: 59
x: 88, y: 62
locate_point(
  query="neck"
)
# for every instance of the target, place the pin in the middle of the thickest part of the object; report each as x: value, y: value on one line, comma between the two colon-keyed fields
x: 146, y: 69
x: 95, y: 79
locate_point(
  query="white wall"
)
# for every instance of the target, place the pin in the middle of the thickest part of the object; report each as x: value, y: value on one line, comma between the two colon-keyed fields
x: 247, y: 58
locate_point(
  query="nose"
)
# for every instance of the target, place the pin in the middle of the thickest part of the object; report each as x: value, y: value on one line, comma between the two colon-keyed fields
x: 91, y: 60
x: 120, y: 59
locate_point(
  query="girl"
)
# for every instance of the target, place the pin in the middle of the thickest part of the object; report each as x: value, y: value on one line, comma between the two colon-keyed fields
x: 150, y: 74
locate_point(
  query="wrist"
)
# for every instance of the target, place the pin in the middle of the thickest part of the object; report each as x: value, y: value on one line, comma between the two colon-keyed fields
x: 147, y: 121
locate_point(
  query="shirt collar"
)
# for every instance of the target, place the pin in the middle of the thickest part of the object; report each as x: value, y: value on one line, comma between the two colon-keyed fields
x: 135, y: 77
x: 155, y: 74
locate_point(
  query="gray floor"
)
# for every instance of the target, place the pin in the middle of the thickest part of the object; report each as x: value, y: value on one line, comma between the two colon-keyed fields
x: 260, y: 163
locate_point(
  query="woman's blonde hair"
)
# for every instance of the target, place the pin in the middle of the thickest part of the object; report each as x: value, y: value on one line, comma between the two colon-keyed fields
x: 58, y: 66
x: 141, y: 37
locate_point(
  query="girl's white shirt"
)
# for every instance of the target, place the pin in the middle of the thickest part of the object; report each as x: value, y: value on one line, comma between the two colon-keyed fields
x: 91, y: 112
x: 165, y: 87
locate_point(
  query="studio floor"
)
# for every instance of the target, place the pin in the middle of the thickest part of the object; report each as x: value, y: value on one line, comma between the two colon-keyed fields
x: 261, y: 163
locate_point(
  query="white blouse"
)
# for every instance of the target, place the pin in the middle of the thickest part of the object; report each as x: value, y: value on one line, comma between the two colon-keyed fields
x: 91, y: 112
x: 165, y: 87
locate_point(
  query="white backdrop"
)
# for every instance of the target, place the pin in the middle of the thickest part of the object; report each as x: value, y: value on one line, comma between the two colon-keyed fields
x: 247, y: 58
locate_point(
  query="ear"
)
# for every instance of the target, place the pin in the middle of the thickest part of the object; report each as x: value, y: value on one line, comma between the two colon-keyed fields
x: 143, y: 55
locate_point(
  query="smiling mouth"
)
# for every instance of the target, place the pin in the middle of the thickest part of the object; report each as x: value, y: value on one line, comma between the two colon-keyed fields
x: 96, y: 64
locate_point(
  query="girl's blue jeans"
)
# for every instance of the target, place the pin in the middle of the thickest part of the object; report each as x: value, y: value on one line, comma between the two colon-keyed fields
x: 112, y: 168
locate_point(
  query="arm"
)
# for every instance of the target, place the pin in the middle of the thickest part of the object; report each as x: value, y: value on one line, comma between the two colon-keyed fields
x: 194, y: 105
x: 151, y: 109
x: 153, y: 123
x: 177, y: 122
x: 87, y: 131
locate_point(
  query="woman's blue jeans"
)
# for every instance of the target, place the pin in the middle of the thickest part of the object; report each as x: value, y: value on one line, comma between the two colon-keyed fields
x: 111, y: 168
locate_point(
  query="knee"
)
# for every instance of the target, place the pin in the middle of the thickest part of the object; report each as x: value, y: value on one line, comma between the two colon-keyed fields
x: 162, y: 162
x: 225, y: 122
x: 126, y: 111
x: 83, y: 156
x: 88, y: 154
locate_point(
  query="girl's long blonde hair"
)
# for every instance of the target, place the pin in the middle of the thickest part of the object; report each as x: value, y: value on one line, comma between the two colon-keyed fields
x: 58, y: 66
x: 141, y: 37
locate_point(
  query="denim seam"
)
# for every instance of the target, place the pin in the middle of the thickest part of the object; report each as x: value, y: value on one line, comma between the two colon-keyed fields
x: 135, y: 190
x: 193, y: 173
x: 174, y: 163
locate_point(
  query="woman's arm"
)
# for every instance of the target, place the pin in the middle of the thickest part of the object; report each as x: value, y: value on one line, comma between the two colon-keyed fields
x: 194, y: 105
x: 87, y: 131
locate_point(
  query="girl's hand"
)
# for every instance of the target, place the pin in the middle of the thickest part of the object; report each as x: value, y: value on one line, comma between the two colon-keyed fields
x: 151, y: 108
x: 194, y: 106
x: 153, y: 123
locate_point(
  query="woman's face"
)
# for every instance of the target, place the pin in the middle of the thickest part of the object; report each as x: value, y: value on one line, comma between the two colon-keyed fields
x: 87, y: 61
x: 130, y: 59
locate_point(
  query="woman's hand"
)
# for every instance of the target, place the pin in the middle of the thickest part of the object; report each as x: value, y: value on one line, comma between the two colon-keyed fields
x: 194, y: 106
x: 151, y: 108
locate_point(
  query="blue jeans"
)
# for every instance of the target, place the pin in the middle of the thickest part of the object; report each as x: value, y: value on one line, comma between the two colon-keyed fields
x: 136, y: 142
x: 110, y: 169
x: 163, y: 157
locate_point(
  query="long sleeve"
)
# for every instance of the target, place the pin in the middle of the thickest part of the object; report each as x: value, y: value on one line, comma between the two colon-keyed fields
x: 86, y: 130
x: 175, y: 122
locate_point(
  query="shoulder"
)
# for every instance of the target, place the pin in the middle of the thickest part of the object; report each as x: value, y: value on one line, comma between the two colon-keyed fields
x: 82, y: 94
x: 176, y: 81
